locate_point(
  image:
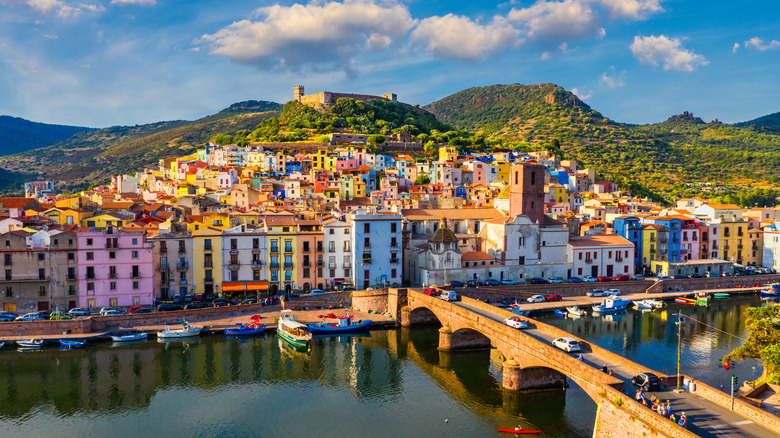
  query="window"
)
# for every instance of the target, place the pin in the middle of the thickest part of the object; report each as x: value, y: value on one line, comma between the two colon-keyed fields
x: 207, y: 260
x: 330, y: 231
x: 233, y: 243
x: 256, y: 275
x: 288, y: 246
x: 306, y: 273
x: 112, y: 285
x: 287, y: 275
x: 331, y: 246
x: 71, y: 273
x: 90, y: 272
x: 394, y: 227
x: 393, y: 273
x: 91, y: 288
x: 274, y: 275
x: 305, y: 246
x: 274, y: 246
x: 234, y: 276
x: 41, y: 257
x: 9, y: 293
x: 135, y: 254
x: 207, y: 244
x: 42, y: 291
x: 135, y: 241
x: 71, y: 256
x: 521, y: 241
x: 89, y: 241
x: 366, y: 228
x: 112, y: 272
x: 609, y: 254
x: 90, y: 256
x: 72, y: 290
x: 580, y: 256
x: 521, y: 260
x: 332, y: 273
x: 7, y: 258
x: 112, y: 254
x: 135, y: 271
x: 7, y: 274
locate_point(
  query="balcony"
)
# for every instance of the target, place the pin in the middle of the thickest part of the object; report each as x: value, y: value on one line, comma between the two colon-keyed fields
x: 163, y: 250
x: 331, y: 250
x: 184, y: 265
x: 347, y: 249
x: 393, y: 245
x: 183, y: 282
x: 366, y: 245
x: 234, y: 266
x: 182, y: 250
x: 207, y: 264
x: 163, y: 267
x: 394, y: 261
x: 136, y: 276
x: 306, y: 249
x: 331, y: 265
x: 274, y: 249
x: 588, y: 260
x: 255, y: 250
x: 208, y: 280
x: 257, y: 262
x: 274, y: 265
x: 306, y: 264
x: 288, y: 250
x: 288, y: 265
x: 233, y: 251
x: 320, y: 263
x: 319, y: 248
x: 207, y: 248
x: 366, y: 260
x: 112, y: 275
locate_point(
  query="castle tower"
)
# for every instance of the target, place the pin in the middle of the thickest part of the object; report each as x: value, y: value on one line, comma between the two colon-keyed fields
x: 526, y: 191
x: 298, y: 92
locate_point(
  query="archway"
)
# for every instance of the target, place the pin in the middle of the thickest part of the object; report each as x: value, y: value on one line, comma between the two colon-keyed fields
x: 423, y: 315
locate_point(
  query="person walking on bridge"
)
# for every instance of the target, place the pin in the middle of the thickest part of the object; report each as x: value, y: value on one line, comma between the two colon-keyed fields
x: 683, y: 421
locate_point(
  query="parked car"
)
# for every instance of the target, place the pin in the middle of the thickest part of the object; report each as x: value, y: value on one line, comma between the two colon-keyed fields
x: 508, y: 282
x: 537, y: 280
x: 132, y: 309
x: 143, y: 310
x: 29, y: 317
x: 252, y: 300
x: 555, y: 280
x: 168, y: 307
x: 589, y: 279
x: 103, y: 310
x: 612, y: 292
x: 187, y: 298
x: 474, y: 283
x: 59, y: 316
x: 596, y: 293
x: 553, y: 297
x: 456, y: 283
x: 648, y: 381
x: 431, y: 291
x: 516, y: 322
x: 603, y: 278
x: 677, y: 277
x: 448, y: 295
x: 567, y: 344
x: 536, y: 299
x: 317, y: 292
x: 696, y: 276
x: 78, y: 311
x: 726, y: 274
x: 638, y: 277
x: 196, y: 305
x: 576, y: 280
x: 220, y: 302
x: 8, y: 316
x: 623, y: 277
x: 492, y: 282
x: 177, y: 299
x: 114, y: 312
x: 509, y: 301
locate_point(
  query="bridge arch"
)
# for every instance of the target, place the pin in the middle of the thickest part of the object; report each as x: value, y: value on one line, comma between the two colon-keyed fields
x: 423, y: 315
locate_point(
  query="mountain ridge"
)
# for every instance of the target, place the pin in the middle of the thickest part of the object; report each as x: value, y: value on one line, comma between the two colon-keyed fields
x: 19, y: 135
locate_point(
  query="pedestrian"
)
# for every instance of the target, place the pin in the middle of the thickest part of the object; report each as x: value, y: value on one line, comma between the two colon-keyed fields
x: 638, y: 396
x: 611, y: 373
x: 671, y: 417
x: 604, y: 368
x: 662, y: 409
x: 579, y: 358
x: 683, y: 421
x: 669, y: 410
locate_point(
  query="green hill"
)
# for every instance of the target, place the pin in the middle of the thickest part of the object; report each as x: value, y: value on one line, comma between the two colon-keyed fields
x: 19, y: 135
x: 770, y: 122
x: 94, y: 156
x: 682, y: 156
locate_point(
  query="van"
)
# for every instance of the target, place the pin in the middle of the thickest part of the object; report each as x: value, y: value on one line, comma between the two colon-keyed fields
x: 448, y: 295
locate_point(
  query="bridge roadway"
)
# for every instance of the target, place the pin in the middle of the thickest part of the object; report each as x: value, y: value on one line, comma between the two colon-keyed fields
x: 705, y: 418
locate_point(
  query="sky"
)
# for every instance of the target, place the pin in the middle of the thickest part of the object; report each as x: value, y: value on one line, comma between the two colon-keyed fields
x: 100, y: 63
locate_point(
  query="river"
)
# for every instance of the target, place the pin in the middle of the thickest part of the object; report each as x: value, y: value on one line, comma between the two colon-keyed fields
x: 389, y: 384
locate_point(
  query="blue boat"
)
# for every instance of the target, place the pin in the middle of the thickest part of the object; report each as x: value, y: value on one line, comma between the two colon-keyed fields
x: 245, y: 330
x: 560, y: 313
x: 772, y: 291
x: 345, y: 324
x: 67, y: 343
x: 611, y: 304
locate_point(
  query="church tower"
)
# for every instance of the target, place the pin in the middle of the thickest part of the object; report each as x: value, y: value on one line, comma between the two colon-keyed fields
x: 298, y: 93
x: 526, y: 191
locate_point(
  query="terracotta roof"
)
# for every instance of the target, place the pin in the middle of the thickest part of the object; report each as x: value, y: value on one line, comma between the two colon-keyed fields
x: 476, y: 255
x: 723, y: 206
x: 600, y: 240
x: 451, y: 214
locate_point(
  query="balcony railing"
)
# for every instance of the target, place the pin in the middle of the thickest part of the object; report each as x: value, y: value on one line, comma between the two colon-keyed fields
x: 208, y: 280
x: 207, y: 248
x: 182, y: 265
x: 288, y: 249
x: 274, y: 248
x: 288, y: 264
x: 112, y: 275
x: 164, y: 267
x: 393, y: 245
x: 234, y: 266
x: 588, y: 260
x: 233, y: 251
x: 255, y: 250
x: 366, y: 260
x: 395, y: 261
x: 183, y: 282
x: 257, y: 262
x: 320, y: 263
x: 366, y: 245
x: 163, y: 250
x: 207, y: 264
x: 331, y: 250
x: 274, y: 265
x: 306, y: 264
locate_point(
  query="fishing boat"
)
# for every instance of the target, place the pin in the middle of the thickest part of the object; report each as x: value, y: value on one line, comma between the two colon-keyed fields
x: 772, y: 291
x: 643, y: 305
x: 345, y: 324
x: 32, y: 343
x: 129, y: 337
x: 2, y: 344
x: 611, y: 304
x: 576, y: 311
x: 185, y: 331
x: 518, y: 431
x: 683, y: 300
x: 293, y: 332
x: 560, y: 313
x: 656, y: 303
x: 720, y: 295
x: 702, y: 299
x: 242, y: 329
x: 72, y: 343
x: 521, y: 312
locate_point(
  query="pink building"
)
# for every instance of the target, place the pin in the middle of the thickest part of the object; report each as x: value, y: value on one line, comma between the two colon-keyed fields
x: 344, y: 164
x: 116, y: 268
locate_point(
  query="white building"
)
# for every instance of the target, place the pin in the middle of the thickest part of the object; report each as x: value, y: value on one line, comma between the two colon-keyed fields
x: 601, y: 255
x: 244, y: 249
x: 771, y: 254
x: 376, y: 245
x: 338, y: 269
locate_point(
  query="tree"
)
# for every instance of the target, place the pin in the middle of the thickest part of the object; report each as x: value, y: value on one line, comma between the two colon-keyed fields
x: 375, y: 139
x: 763, y: 342
x: 430, y: 148
x: 422, y: 180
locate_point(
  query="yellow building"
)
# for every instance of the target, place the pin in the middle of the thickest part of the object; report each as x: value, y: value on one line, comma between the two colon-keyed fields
x: 502, y: 169
x: 447, y: 153
x: 74, y: 202
x: 67, y: 216
x: 360, y: 188
x: 207, y: 260
x: 219, y: 221
x: 654, y: 238
x: 281, y: 235
x: 105, y: 220
x: 348, y: 187
x: 734, y: 241
x: 558, y: 192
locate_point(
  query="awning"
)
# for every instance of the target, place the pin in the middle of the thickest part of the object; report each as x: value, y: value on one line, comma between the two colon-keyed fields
x: 257, y: 285
x: 243, y: 286
x: 233, y: 286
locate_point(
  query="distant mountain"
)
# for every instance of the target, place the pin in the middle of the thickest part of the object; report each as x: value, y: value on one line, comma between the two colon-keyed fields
x: 94, y: 156
x: 18, y: 135
x: 770, y: 122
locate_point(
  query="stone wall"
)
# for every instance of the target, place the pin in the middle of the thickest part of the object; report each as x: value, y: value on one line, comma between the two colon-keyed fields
x: 367, y: 300
x: 620, y: 416
x: 34, y: 328
x: 712, y: 283
x: 498, y: 293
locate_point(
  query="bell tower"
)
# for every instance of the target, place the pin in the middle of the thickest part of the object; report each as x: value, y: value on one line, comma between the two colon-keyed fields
x: 526, y: 191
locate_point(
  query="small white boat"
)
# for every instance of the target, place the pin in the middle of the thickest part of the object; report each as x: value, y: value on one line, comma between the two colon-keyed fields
x: 576, y: 311
x: 2, y: 344
x: 611, y: 304
x: 185, y: 331
x: 643, y: 305
x: 32, y: 343
x: 129, y: 337
x: 655, y: 302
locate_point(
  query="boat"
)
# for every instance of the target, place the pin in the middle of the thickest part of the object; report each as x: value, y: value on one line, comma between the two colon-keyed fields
x: 345, y: 324
x: 293, y: 332
x: 772, y: 291
x: 656, y: 303
x: 72, y: 343
x: 683, y: 300
x: 130, y: 337
x: 720, y: 295
x: 576, y: 311
x: 521, y: 312
x: 32, y: 343
x: 702, y: 299
x: 611, y: 304
x: 185, y: 331
x: 242, y: 329
x: 518, y: 431
x: 2, y: 344
x: 560, y: 313
x: 643, y: 305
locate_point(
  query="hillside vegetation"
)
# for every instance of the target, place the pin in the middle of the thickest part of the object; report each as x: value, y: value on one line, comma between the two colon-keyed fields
x: 19, y: 135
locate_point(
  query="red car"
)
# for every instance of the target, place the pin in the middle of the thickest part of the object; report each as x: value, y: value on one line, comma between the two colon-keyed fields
x: 553, y: 297
x: 132, y: 309
x: 623, y: 277
x: 431, y: 291
x: 603, y: 278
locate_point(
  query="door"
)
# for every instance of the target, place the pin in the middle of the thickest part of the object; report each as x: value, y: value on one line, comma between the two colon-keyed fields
x: 9, y: 307
x: 594, y: 271
x: 136, y: 301
x: 610, y: 270
x: 112, y: 302
x: 71, y: 304
x: 43, y: 305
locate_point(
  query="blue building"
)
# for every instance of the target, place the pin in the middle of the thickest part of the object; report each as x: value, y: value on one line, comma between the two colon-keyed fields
x: 630, y: 228
x: 674, y: 225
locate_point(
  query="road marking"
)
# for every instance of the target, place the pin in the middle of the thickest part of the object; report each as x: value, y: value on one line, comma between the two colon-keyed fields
x: 742, y: 423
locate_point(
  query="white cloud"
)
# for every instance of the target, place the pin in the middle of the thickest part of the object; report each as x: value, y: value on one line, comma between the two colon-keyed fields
x: 58, y: 7
x: 134, y: 2
x: 655, y: 50
x: 558, y: 21
x: 635, y: 9
x: 325, y: 35
x: 613, y: 80
x: 735, y: 48
x: 44, y: 6
x: 459, y: 37
x: 759, y: 44
x: 561, y: 49
x: 581, y: 94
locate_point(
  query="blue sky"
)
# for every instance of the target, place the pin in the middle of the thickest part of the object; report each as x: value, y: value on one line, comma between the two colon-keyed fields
x: 122, y: 62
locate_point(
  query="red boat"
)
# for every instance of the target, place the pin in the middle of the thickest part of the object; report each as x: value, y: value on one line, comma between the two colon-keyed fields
x: 682, y: 300
x: 519, y: 431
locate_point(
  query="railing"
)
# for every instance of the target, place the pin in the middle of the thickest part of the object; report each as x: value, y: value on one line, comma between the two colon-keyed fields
x: 347, y: 249
x: 233, y: 251
x: 234, y: 266
x: 319, y: 249
x: 274, y: 248
x: 255, y: 250
x: 112, y: 275
x: 183, y: 282
x: 393, y: 246
x: 163, y: 250
x: 164, y: 267
x: 395, y: 261
x: 274, y: 265
x: 588, y: 260
x: 366, y: 260
x: 288, y: 264
x: 135, y: 276
x: 332, y: 265
x: 320, y: 263
x: 207, y: 248
x: 366, y: 245
x: 182, y: 250
x: 306, y: 264
x: 207, y: 264
x: 183, y: 265
x: 288, y: 250
x: 257, y: 262
x: 208, y: 280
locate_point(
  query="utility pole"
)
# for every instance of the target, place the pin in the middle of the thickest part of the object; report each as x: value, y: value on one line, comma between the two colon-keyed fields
x: 679, y: 346
x: 734, y: 381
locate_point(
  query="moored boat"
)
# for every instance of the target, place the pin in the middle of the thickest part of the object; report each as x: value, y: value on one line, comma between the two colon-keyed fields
x: 720, y: 295
x: 655, y: 302
x: 560, y: 313
x: 293, y: 332
x: 518, y: 431
x: 702, y: 299
x: 576, y: 311
x: 245, y: 330
x: 643, y: 305
x: 130, y: 337
x: 345, y: 324
x: 772, y: 291
x: 185, y: 331
x: 72, y: 343
x: 32, y: 343
x: 683, y: 300
x: 611, y: 304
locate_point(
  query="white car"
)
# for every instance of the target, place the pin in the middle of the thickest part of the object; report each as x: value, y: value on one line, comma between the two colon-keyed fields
x: 79, y: 312
x: 555, y: 280
x: 589, y: 279
x: 612, y: 292
x: 508, y: 282
x: 448, y: 295
x: 596, y: 293
x: 567, y: 344
x: 516, y: 322
x: 536, y: 299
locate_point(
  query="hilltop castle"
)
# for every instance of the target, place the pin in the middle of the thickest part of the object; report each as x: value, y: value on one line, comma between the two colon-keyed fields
x: 325, y: 99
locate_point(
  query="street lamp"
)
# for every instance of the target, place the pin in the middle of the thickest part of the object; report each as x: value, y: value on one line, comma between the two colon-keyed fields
x: 679, y: 322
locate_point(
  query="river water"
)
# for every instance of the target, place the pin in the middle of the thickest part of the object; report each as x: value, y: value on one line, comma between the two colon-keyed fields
x: 389, y: 384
